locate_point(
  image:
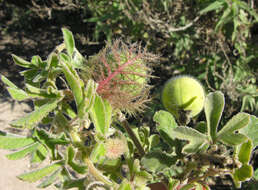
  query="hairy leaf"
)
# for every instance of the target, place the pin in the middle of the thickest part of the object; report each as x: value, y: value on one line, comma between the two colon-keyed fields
x: 216, y: 5
x: 40, y: 154
x: 251, y: 130
x: 101, y: 115
x: 165, y: 125
x: 245, y: 151
x: 74, y: 82
x: 244, y: 173
x: 69, y: 41
x: 22, y: 153
x: 213, y: 107
x: 157, y: 161
x: 228, y: 133
x: 18, y: 94
x: 71, y: 183
x: 50, y: 179
x: 88, y: 102
x: 12, y: 142
x: 21, y: 62
x: 40, y: 173
x: 15, y: 92
x: 36, y: 116
x: 97, y: 152
x: 70, y: 161
x: 196, y: 139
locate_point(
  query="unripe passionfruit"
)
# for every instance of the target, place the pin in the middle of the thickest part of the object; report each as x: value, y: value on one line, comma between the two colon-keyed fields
x: 183, y: 93
x: 137, y: 72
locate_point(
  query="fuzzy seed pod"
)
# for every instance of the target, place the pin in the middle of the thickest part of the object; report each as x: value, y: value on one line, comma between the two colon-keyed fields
x: 122, y: 72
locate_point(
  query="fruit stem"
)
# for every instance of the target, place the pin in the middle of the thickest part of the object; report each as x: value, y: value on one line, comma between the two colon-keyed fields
x: 133, y: 137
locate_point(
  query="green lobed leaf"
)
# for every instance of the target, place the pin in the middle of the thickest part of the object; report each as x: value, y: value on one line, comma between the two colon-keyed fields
x: 21, y: 62
x: 251, y: 130
x: 40, y: 173
x: 244, y: 173
x: 108, y: 115
x: 226, y: 17
x: 22, y: 153
x: 52, y: 61
x: 256, y: 174
x: 201, y: 127
x: 213, y: 108
x: 125, y: 185
x: 101, y: 115
x: 15, y: 92
x: 90, y: 92
x: 50, y: 141
x: 196, y: 139
x: 39, y: 92
x: 157, y: 161
x: 39, y: 155
x: 9, y: 142
x: 154, y: 141
x: 8, y: 82
x: 69, y: 41
x: 18, y: 94
x: 36, y: 60
x: 88, y: 102
x: 228, y: 133
x: 74, y: 82
x: 216, y: 5
x: 245, y: 151
x: 29, y: 74
x: 36, y: 116
x: 165, y: 125
x: 78, y: 60
x: 97, y: 152
x: 66, y: 108
x: 233, y: 139
x: 71, y: 183
x: 70, y: 161
x: 50, y: 179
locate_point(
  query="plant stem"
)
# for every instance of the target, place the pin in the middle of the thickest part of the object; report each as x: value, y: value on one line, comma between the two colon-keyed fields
x: 133, y: 137
x: 92, y: 169
x: 95, y: 172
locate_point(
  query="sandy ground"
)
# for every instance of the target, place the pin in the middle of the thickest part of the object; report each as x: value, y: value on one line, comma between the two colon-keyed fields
x: 10, y: 169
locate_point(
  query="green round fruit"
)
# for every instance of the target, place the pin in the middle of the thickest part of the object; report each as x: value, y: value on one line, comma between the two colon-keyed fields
x: 135, y: 81
x: 183, y: 93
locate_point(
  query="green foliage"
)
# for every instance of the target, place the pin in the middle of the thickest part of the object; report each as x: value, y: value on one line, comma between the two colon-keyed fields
x: 39, y: 174
x: 201, y: 38
x: 89, y: 142
x: 213, y: 107
x: 251, y: 130
x: 101, y: 114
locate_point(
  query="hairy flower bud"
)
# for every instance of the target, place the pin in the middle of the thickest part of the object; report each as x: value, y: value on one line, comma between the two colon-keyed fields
x: 115, y: 148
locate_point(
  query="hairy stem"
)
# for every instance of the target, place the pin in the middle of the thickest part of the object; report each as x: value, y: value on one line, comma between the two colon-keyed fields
x: 92, y: 169
x: 133, y: 137
x: 95, y: 172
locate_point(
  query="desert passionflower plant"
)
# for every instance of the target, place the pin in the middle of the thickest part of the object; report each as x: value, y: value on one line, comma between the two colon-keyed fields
x: 81, y: 105
x: 122, y: 71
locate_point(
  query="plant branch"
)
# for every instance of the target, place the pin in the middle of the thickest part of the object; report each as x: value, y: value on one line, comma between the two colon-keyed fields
x: 95, y: 172
x: 133, y: 137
